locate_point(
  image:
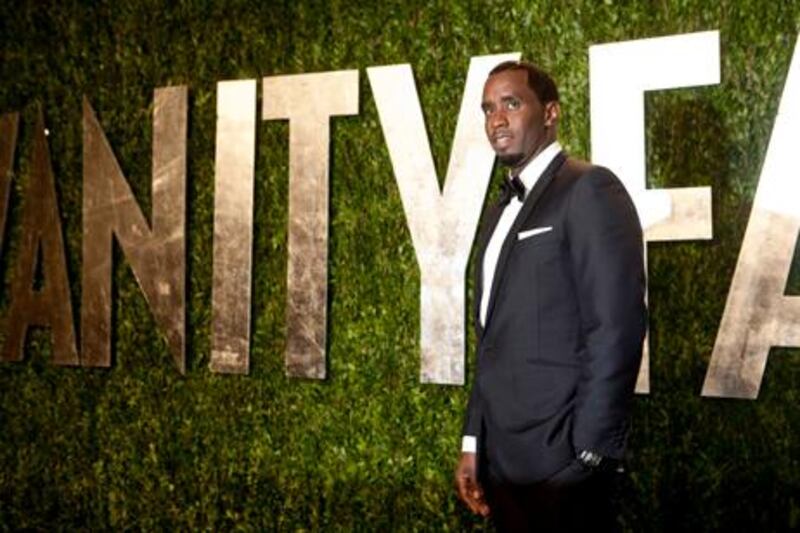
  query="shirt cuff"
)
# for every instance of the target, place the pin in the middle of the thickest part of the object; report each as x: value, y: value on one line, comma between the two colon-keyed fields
x: 469, y: 444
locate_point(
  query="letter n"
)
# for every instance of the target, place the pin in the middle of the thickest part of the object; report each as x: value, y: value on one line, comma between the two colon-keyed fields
x: 156, y: 255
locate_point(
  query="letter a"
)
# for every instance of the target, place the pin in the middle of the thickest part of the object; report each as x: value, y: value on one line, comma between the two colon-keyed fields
x: 757, y: 314
x: 42, y: 241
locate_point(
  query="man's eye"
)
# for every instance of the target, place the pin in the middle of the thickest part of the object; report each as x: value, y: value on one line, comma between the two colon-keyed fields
x: 512, y: 104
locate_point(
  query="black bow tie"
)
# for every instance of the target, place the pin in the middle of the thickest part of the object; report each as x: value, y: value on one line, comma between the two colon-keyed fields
x: 512, y: 187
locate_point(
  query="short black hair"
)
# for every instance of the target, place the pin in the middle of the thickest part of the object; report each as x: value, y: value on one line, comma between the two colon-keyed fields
x: 539, y: 81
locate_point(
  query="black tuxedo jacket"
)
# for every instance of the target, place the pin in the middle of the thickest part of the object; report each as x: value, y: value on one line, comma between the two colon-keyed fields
x: 559, y: 353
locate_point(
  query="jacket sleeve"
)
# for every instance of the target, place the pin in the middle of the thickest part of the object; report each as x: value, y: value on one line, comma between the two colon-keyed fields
x: 473, y: 421
x: 606, y: 248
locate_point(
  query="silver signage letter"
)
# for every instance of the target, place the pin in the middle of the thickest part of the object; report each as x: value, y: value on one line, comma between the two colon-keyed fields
x: 8, y: 145
x: 757, y: 314
x: 442, y: 223
x: 620, y: 73
x: 157, y: 257
x: 308, y: 101
x: 233, y: 226
x: 49, y: 306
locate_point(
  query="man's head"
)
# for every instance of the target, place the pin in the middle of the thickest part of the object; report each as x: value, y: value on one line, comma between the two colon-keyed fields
x: 521, y: 110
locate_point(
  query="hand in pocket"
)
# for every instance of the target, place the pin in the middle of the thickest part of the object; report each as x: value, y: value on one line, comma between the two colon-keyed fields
x: 569, y: 476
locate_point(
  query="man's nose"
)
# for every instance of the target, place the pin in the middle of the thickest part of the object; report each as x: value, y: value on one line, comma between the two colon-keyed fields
x: 498, y: 119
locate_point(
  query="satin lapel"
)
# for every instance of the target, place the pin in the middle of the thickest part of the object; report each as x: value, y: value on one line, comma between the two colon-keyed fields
x: 533, y: 197
x: 492, y: 218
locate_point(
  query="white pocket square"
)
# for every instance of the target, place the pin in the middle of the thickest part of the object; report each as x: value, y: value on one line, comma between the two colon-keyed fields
x: 531, y: 232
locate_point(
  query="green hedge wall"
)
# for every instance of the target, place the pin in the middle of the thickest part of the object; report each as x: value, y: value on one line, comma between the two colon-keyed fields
x: 141, y: 447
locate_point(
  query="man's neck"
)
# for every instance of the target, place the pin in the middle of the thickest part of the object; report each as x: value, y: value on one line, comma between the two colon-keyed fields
x: 530, y: 173
x: 517, y: 169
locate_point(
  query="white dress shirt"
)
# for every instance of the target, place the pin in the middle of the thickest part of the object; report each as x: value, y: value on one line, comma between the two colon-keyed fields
x: 529, y: 176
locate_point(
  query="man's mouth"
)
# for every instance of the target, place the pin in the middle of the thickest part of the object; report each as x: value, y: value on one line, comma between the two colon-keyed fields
x: 501, y: 138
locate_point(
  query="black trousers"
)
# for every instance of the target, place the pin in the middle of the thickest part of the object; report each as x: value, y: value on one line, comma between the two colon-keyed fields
x: 573, y: 500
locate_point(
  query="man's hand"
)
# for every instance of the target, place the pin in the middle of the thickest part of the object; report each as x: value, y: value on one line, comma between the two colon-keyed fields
x: 469, y: 490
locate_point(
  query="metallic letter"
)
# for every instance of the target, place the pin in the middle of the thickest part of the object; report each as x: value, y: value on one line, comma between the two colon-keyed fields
x: 620, y: 73
x: 8, y: 145
x: 442, y: 223
x: 50, y: 306
x: 157, y: 257
x: 757, y: 314
x: 233, y: 226
x: 308, y: 101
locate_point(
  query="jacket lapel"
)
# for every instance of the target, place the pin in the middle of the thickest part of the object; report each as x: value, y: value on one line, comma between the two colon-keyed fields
x: 533, y: 197
x: 492, y: 218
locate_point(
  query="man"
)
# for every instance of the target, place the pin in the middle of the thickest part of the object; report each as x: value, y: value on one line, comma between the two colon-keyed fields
x: 560, y: 320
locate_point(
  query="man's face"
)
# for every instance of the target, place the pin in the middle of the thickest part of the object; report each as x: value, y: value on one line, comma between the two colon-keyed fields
x: 517, y: 124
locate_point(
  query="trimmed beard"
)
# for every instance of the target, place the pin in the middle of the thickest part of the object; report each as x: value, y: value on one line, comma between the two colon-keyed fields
x: 510, y: 160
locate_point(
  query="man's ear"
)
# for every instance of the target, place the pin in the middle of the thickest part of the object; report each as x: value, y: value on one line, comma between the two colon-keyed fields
x: 552, y: 112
